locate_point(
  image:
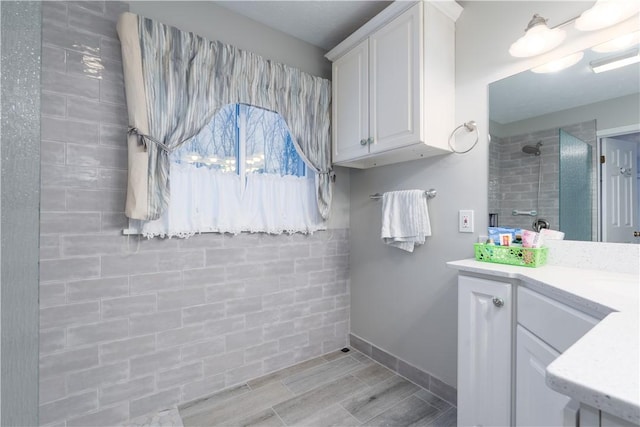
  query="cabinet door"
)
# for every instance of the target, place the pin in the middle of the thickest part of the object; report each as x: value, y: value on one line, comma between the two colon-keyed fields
x: 536, y: 404
x: 484, y: 352
x: 351, y: 104
x: 395, y: 73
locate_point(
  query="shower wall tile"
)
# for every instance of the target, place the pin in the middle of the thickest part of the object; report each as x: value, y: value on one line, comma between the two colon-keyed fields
x: 95, y: 200
x: 52, y: 294
x: 70, y: 314
x: 123, y: 392
x: 52, y: 340
x: 93, y: 6
x: 94, y: 155
x: 514, y: 170
x: 67, y: 407
x: 98, y: 332
x: 112, y: 91
x: 95, y: 377
x: 53, y: 105
x: 154, y: 402
x: 68, y: 177
x: 128, y: 306
x: 113, y: 416
x: 89, y: 21
x: 95, y: 290
x: 61, y: 363
x: 52, y: 389
x: 111, y: 48
x: 130, y: 325
x: 57, y: 129
x: 53, y: 58
x: 127, y: 348
x: 71, y: 85
x: 52, y: 153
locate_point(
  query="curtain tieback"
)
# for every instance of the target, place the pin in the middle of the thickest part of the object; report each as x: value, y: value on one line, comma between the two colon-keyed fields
x: 330, y: 173
x: 144, y: 139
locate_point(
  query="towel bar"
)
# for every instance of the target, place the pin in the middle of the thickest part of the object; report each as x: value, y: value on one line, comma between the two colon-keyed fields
x: 430, y: 193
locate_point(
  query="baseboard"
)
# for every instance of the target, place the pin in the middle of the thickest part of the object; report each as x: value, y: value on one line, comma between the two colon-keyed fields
x: 410, y: 372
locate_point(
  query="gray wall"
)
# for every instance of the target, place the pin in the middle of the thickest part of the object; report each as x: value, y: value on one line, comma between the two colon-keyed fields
x: 20, y: 153
x: 610, y: 114
x: 131, y: 325
x: 406, y: 303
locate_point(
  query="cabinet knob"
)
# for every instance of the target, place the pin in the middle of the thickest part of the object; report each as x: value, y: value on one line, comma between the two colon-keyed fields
x: 363, y: 141
x: 498, y: 302
x: 636, y: 234
x: 370, y: 140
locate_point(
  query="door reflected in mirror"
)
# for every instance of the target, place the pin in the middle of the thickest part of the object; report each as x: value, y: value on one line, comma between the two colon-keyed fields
x: 564, y: 149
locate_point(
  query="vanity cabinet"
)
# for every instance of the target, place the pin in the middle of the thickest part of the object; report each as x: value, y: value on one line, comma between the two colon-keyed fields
x: 545, y: 329
x: 393, y: 87
x: 536, y: 404
x: 592, y: 417
x: 484, y: 352
x: 504, y: 350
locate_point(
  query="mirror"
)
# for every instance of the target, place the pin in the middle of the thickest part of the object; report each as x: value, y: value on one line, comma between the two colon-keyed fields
x: 548, y: 132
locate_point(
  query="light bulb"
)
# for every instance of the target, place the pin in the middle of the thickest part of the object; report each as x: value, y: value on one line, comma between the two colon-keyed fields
x: 559, y: 64
x: 606, y: 13
x: 619, y: 43
x: 537, y: 39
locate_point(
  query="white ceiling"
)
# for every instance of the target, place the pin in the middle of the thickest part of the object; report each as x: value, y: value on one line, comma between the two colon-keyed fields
x: 320, y: 23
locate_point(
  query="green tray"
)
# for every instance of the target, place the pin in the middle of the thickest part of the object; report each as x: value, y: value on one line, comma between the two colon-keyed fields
x: 512, y: 255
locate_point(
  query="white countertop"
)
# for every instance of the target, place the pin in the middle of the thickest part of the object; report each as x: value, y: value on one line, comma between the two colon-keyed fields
x: 602, y: 369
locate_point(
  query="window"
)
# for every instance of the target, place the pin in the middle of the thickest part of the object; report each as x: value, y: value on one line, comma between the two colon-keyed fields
x: 243, y: 139
x: 240, y: 173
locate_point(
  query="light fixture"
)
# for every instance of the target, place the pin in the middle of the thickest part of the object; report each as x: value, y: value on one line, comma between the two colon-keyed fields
x: 611, y: 63
x: 619, y: 43
x: 538, y: 38
x: 606, y: 13
x: 559, y: 64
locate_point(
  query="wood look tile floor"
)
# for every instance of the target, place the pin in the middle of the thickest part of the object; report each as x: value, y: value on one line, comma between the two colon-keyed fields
x: 337, y: 389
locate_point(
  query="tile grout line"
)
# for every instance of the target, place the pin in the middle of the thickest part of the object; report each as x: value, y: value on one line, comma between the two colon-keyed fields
x: 278, y: 415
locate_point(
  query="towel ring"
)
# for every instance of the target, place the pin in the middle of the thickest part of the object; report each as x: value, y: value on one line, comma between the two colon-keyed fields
x: 470, y: 127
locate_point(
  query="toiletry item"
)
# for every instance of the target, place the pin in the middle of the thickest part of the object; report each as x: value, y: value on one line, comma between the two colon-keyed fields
x: 496, y: 232
x: 531, y: 239
x: 505, y: 239
x: 552, y: 234
x: 493, y: 220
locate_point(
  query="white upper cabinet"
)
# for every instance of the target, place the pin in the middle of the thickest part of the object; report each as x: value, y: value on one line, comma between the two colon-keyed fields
x: 351, y: 73
x: 393, y: 86
x: 394, y: 66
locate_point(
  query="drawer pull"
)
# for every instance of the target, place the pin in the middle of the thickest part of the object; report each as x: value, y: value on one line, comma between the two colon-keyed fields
x: 498, y: 302
x: 363, y: 142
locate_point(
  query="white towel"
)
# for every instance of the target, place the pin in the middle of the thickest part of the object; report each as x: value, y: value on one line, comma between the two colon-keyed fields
x: 405, y: 219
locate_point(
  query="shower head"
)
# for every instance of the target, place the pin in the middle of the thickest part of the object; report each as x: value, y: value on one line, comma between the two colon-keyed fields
x: 532, y: 149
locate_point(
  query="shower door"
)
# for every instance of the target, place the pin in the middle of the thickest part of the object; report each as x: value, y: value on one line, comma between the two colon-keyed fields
x: 576, y: 184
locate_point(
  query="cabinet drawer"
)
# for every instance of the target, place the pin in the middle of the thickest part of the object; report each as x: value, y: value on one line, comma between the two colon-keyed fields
x: 555, y: 323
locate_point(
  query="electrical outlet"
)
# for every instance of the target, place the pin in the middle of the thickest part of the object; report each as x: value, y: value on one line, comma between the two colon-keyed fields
x: 465, y: 221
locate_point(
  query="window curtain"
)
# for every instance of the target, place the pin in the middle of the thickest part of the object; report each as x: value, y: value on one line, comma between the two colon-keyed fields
x: 175, y: 82
x: 206, y: 200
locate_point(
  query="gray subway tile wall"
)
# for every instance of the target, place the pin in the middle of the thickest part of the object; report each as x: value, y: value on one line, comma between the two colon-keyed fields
x: 513, y: 179
x: 127, y: 325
